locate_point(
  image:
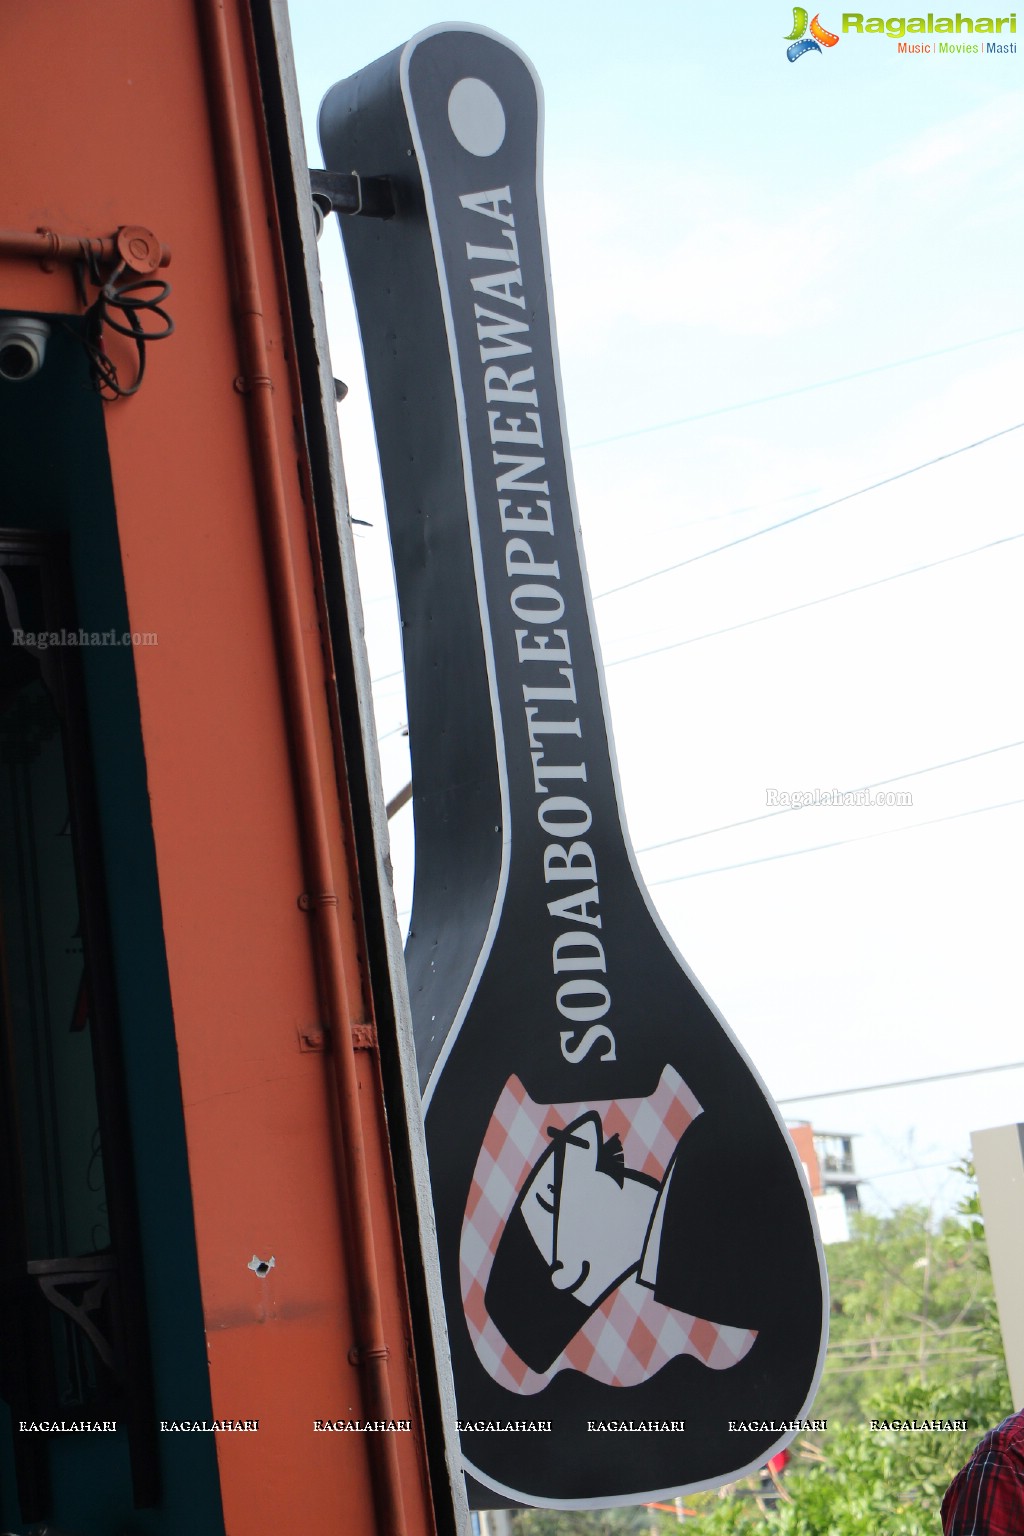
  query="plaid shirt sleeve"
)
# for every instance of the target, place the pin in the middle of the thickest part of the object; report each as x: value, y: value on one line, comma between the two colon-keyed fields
x: 986, y: 1498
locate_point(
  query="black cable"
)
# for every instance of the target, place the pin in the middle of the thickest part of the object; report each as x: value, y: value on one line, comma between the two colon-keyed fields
x: 119, y: 306
x: 811, y: 512
x: 905, y: 1082
x: 801, y: 389
x: 786, y: 810
x: 893, y: 1173
x: 841, y: 842
x: 815, y: 602
x: 772, y: 528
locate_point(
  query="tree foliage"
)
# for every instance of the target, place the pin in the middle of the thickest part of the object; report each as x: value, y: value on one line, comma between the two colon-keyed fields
x: 865, y: 1482
x: 911, y: 1301
x: 914, y: 1336
x: 632, y: 1521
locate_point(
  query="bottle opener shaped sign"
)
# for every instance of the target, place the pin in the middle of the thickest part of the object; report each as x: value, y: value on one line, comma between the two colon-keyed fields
x: 634, y: 1287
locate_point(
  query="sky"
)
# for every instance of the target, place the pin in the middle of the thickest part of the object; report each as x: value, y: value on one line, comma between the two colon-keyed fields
x: 786, y: 294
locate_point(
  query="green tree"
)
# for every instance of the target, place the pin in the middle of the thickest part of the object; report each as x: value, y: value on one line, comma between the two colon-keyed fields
x: 915, y: 1336
x: 864, y: 1482
x: 632, y: 1521
x: 911, y: 1301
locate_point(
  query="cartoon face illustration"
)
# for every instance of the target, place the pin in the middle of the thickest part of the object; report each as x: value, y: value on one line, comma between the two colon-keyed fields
x: 587, y: 1213
x: 562, y: 1240
x: 585, y: 1218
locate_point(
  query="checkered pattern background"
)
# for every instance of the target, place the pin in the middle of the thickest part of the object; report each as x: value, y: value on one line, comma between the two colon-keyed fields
x: 630, y: 1336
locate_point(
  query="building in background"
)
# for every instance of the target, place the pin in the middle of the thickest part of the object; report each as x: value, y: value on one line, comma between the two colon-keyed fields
x: 211, y: 1169
x: 828, y: 1164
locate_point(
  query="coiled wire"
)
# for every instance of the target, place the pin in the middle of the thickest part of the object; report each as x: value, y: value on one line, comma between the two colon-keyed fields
x: 120, y: 306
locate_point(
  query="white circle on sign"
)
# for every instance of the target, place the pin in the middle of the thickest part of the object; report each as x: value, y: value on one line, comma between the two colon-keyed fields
x: 477, y: 116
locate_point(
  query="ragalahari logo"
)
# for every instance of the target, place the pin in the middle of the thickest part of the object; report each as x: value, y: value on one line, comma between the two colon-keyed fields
x: 799, y: 44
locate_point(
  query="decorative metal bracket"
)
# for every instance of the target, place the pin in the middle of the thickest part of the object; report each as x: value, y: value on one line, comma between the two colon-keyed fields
x: 338, y: 192
x: 90, y: 1280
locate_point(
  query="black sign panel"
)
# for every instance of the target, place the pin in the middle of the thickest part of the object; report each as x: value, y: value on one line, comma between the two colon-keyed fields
x: 633, y: 1283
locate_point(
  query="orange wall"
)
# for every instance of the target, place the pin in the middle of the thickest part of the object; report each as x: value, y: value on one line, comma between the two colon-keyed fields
x: 108, y: 112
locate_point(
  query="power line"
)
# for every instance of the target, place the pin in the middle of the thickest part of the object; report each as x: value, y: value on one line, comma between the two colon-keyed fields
x: 801, y: 389
x: 933, y: 1348
x: 892, y: 1173
x: 906, y: 1082
x: 859, y: 1370
x: 786, y: 810
x: 393, y: 732
x: 772, y: 528
x: 841, y: 842
x: 842, y: 1346
x: 754, y: 506
x: 815, y: 602
x: 811, y: 512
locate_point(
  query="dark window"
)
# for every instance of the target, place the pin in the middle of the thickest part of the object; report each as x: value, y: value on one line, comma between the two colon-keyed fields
x: 72, y: 1318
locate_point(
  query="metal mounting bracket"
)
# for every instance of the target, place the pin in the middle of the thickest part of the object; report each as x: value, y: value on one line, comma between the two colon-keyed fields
x: 338, y: 192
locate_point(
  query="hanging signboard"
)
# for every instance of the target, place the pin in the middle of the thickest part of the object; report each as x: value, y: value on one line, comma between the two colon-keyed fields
x: 634, y: 1288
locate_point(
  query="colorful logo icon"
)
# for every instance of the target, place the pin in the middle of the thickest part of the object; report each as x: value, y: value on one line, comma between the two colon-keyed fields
x: 799, y: 44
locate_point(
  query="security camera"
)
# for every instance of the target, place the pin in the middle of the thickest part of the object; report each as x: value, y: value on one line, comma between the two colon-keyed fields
x: 22, y: 347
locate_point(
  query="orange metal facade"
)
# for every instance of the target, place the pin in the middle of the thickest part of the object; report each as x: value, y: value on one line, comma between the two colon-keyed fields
x: 108, y: 119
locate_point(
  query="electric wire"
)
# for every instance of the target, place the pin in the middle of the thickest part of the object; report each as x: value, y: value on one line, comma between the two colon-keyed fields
x: 393, y: 732
x: 850, y: 1346
x: 905, y: 1082
x: 131, y: 300
x: 797, y: 517
x: 842, y: 842
x: 893, y: 1173
x: 785, y: 810
x: 801, y: 389
x: 911, y: 1365
x: 772, y: 528
x: 781, y: 613
x: 814, y: 602
x: 933, y: 1348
